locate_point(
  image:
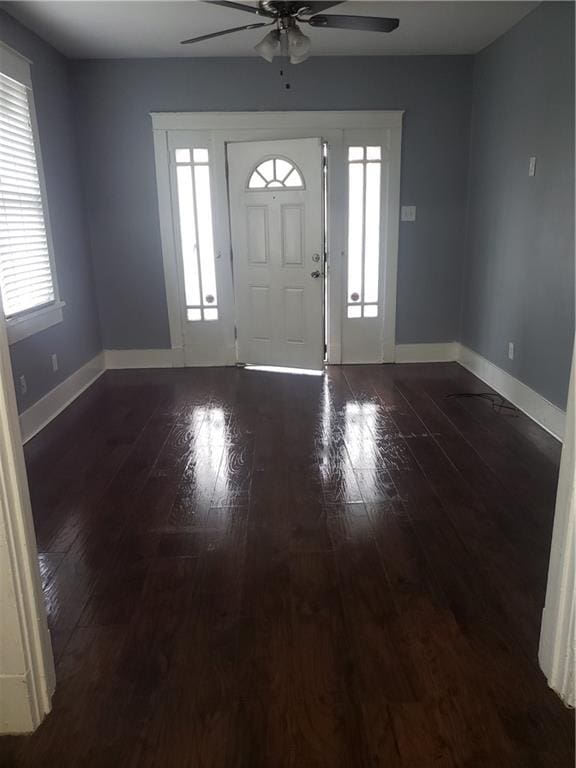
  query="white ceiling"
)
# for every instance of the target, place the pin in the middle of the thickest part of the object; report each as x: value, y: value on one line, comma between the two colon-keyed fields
x: 118, y: 29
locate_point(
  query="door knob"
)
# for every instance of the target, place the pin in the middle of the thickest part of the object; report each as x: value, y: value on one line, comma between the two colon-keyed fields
x: 316, y: 274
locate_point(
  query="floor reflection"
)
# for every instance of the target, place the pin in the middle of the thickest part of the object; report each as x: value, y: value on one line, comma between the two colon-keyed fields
x: 240, y: 530
x: 208, y: 448
x: 360, y: 421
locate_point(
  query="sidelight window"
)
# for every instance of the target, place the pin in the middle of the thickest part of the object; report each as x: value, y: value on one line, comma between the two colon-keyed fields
x: 196, y: 233
x: 364, y: 181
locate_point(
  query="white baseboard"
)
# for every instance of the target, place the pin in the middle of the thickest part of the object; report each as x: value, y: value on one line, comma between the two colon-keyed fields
x: 17, y: 715
x: 117, y: 359
x: 41, y: 413
x: 35, y: 418
x: 540, y: 410
x: 443, y: 352
x: 122, y: 359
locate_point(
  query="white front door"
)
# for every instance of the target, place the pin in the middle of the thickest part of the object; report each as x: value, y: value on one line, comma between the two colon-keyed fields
x: 276, y: 219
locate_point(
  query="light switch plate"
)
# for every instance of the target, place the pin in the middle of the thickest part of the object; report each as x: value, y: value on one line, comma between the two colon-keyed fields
x: 532, y: 167
x: 408, y: 213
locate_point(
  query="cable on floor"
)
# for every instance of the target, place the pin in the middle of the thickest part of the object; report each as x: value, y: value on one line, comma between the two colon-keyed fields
x: 498, y: 402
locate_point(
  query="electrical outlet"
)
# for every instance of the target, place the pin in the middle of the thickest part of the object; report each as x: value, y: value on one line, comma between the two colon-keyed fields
x: 532, y: 167
x: 511, y: 350
x: 23, y: 385
x: 408, y: 213
x: 54, y: 363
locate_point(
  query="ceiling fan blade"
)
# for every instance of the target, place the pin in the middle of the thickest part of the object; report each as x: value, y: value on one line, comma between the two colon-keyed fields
x: 224, y: 32
x: 241, y: 7
x: 363, y: 23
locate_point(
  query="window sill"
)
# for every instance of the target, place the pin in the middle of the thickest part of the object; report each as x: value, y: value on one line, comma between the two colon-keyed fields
x: 32, y: 322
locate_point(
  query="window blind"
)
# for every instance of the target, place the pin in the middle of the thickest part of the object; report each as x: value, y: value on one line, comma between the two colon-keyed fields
x: 26, y: 279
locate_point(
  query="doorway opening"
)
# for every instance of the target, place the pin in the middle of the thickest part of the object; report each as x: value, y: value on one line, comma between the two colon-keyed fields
x: 334, y: 322
x: 278, y: 229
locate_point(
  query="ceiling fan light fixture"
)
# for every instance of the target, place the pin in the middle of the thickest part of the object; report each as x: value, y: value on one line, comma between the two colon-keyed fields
x: 269, y: 46
x: 299, y: 59
x: 299, y: 45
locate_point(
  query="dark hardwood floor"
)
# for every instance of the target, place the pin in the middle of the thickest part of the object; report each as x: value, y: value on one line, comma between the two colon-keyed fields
x: 247, y: 569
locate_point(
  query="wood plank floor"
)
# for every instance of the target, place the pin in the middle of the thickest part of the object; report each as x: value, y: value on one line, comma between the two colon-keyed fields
x: 248, y: 569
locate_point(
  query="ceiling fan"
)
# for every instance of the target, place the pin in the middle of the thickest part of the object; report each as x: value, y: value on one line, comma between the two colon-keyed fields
x: 287, y: 39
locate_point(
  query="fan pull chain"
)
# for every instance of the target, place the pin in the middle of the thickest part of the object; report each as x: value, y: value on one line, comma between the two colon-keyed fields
x: 287, y: 86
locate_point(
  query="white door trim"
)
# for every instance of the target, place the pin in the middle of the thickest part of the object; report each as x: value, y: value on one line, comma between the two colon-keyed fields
x: 227, y: 121
x: 557, y: 653
x: 224, y: 127
x: 27, y: 676
x: 167, y: 239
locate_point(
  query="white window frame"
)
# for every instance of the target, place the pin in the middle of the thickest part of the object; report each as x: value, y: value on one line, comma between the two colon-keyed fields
x: 25, y: 324
x: 203, y: 305
x: 348, y: 341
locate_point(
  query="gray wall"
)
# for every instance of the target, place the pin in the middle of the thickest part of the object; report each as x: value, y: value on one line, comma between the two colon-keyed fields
x: 519, y: 273
x: 77, y: 339
x: 515, y: 242
x: 114, y: 99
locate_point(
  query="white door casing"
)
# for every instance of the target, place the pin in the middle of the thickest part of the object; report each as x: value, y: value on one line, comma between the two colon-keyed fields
x: 278, y: 252
x: 206, y: 343
x: 27, y: 676
x: 347, y: 340
x: 557, y: 651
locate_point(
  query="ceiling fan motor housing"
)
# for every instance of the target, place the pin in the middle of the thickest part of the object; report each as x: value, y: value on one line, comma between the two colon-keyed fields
x: 287, y: 9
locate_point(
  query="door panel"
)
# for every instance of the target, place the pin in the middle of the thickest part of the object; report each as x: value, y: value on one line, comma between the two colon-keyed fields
x: 294, y: 316
x: 276, y: 217
x: 293, y: 235
x: 257, y: 225
x: 260, y: 313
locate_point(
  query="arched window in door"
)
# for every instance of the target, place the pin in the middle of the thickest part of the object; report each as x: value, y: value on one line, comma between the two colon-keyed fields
x: 275, y: 173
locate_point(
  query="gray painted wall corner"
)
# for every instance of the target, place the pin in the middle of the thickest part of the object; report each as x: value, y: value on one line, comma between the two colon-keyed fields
x: 519, y: 272
x: 77, y: 339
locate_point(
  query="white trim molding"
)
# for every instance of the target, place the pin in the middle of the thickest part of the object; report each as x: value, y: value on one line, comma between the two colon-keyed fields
x: 36, y: 319
x: 27, y: 676
x: 557, y: 654
x: 29, y: 323
x: 119, y: 359
x: 215, y: 345
x: 14, y: 65
x: 35, y: 418
x: 442, y: 352
x: 14, y: 704
x: 540, y: 410
x: 248, y: 121
x: 124, y: 359
x: 167, y: 238
x: 543, y: 412
x: 43, y: 411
